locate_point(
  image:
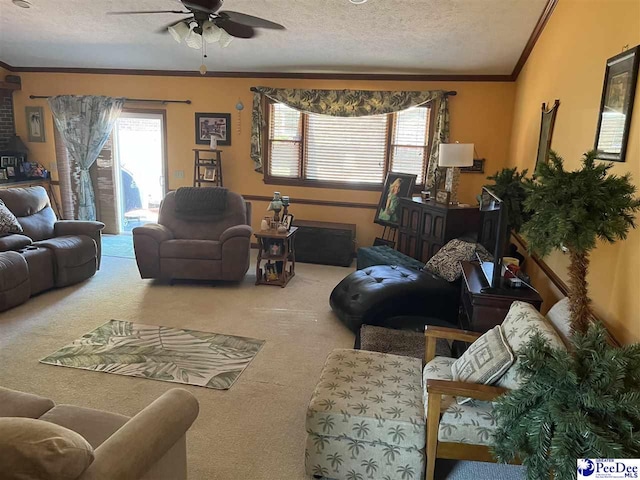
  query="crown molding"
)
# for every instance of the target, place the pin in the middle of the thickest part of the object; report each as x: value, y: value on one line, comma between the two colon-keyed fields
x: 537, y: 31
x: 285, y: 75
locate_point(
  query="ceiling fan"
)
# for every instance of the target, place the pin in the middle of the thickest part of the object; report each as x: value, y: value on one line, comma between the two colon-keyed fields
x: 207, y: 22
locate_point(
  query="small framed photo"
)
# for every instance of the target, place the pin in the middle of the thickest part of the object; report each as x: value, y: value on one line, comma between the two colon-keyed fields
x: 287, y: 220
x: 35, y: 124
x: 11, y: 171
x: 270, y: 272
x: 3, y: 174
x: 4, y: 161
x: 210, y: 174
x: 616, y: 105
x: 216, y: 125
x: 442, y: 196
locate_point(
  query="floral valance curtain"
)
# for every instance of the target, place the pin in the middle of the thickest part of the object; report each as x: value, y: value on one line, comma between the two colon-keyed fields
x: 84, y: 123
x: 350, y: 103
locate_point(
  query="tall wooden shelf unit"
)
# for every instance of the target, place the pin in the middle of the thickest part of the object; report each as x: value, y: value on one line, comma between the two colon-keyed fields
x: 203, y: 166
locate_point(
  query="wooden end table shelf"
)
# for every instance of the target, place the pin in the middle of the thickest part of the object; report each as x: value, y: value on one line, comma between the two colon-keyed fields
x: 287, y: 256
x: 485, y: 308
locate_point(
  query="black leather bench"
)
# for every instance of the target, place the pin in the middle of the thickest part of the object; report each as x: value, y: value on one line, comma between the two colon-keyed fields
x: 374, y: 295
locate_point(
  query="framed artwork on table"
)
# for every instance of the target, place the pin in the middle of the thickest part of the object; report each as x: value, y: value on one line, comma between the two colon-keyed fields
x: 546, y: 132
x: 396, y: 186
x: 35, y: 124
x: 616, y: 105
x: 217, y: 125
x: 210, y: 174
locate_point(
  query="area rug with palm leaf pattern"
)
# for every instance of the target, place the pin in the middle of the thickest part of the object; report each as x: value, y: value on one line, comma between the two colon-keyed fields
x: 205, y: 359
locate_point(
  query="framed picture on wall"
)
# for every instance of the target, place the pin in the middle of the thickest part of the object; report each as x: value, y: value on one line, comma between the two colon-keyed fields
x: 546, y: 132
x: 35, y: 124
x: 396, y: 186
x: 616, y: 105
x: 217, y: 125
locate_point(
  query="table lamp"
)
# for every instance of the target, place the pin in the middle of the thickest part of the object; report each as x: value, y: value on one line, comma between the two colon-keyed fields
x: 452, y: 156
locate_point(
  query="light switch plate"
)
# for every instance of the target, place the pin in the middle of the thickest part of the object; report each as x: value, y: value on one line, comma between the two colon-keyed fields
x: 179, y: 174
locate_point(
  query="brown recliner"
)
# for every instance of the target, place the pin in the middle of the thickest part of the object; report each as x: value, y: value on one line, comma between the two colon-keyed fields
x: 66, y: 251
x: 214, y: 248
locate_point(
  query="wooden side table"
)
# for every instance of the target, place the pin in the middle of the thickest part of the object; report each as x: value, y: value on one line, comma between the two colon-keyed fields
x: 275, y: 269
x: 485, y: 308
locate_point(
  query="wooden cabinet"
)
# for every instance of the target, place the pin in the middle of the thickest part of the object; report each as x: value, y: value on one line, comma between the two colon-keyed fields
x: 483, y: 308
x: 426, y: 226
x: 327, y: 243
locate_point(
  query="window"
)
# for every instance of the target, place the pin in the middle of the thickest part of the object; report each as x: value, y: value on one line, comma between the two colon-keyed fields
x: 345, y: 152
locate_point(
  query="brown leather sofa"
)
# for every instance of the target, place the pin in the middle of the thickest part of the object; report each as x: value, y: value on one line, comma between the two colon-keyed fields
x: 141, y: 447
x: 49, y: 253
x: 197, y: 248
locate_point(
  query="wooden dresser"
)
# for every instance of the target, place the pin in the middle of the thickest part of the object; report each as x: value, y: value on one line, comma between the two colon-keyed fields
x: 425, y: 226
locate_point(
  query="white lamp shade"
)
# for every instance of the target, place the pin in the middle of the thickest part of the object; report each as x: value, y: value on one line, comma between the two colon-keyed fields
x: 456, y: 155
x: 194, y: 40
x: 225, y: 38
x: 179, y: 31
x: 210, y: 32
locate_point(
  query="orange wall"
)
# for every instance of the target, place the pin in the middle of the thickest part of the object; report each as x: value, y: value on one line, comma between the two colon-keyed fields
x: 480, y: 113
x: 568, y: 63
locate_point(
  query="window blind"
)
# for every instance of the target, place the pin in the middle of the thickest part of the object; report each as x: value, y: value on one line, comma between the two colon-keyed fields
x: 346, y: 149
x: 323, y: 148
x: 285, y: 139
x: 409, y: 142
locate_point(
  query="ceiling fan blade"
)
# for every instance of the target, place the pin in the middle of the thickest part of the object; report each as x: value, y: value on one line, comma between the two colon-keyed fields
x: 235, y: 29
x: 207, y: 6
x: 147, y: 11
x: 250, y: 20
x: 165, y: 28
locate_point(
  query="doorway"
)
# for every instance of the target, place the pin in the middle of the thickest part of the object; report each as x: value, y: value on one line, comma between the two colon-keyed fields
x: 140, y: 167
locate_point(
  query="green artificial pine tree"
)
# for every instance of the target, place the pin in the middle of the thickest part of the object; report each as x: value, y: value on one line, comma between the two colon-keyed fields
x: 581, y: 403
x: 509, y: 186
x: 573, y: 210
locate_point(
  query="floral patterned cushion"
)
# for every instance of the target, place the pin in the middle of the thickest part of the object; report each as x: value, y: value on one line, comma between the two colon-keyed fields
x: 345, y: 458
x: 471, y: 423
x: 369, y: 397
x: 446, y: 263
x: 560, y: 317
x: 439, y: 369
x: 485, y: 361
x: 519, y: 325
x: 8, y: 221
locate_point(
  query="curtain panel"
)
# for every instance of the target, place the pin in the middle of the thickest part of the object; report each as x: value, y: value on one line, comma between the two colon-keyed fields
x: 350, y: 103
x: 84, y: 123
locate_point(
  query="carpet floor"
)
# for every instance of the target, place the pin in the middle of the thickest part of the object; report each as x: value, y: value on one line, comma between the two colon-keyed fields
x: 254, y: 430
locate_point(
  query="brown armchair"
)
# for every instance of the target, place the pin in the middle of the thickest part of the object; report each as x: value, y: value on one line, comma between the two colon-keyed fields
x: 199, y: 248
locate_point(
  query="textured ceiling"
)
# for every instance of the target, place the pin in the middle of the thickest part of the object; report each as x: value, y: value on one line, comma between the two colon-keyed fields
x: 322, y: 36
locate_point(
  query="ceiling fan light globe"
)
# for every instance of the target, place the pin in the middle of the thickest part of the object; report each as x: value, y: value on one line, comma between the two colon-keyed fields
x: 179, y: 31
x: 225, y: 38
x: 211, y: 32
x: 193, y: 40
